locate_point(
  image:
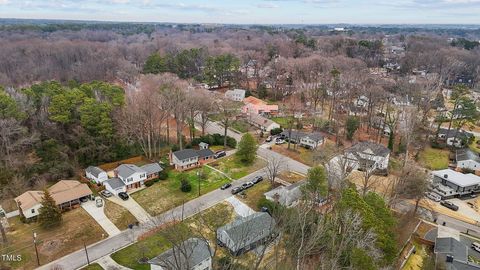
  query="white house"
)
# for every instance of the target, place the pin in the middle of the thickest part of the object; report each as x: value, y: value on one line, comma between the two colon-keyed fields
x: 191, y: 254
x: 449, y: 183
x: 262, y: 123
x: 96, y: 174
x: 287, y: 196
x: 29, y: 203
x: 467, y: 159
x: 190, y: 158
x: 235, y: 95
x: 308, y: 140
x: 454, y: 137
x: 369, y: 155
x: 131, y: 175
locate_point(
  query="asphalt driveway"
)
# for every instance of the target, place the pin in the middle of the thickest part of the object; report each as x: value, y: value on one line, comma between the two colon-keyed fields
x: 98, y: 214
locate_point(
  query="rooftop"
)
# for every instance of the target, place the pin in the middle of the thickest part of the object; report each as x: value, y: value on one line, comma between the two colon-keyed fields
x: 152, y: 168
x: 95, y: 171
x: 185, y: 256
x: 459, y: 179
x: 185, y: 154
x: 126, y: 170
x: 467, y: 154
x: 370, y: 148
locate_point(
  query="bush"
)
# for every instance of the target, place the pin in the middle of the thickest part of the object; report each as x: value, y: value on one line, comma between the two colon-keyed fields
x: 149, y: 183
x: 186, y: 186
x: 276, y: 131
x: 163, y: 175
x: 215, y: 139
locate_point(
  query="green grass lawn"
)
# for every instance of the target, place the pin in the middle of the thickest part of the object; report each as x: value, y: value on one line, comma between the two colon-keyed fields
x: 434, y: 159
x: 282, y: 121
x: 253, y: 195
x: 93, y: 266
x: 474, y: 146
x: 235, y: 169
x: 160, y: 241
x: 241, y: 126
x: 166, y: 194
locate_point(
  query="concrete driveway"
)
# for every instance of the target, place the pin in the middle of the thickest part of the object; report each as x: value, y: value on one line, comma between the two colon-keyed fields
x: 240, y: 208
x: 131, y: 205
x: 98, y: 214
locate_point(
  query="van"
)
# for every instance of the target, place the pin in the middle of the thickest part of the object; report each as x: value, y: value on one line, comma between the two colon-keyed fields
x: 433, y: 196
x: 476, y: 246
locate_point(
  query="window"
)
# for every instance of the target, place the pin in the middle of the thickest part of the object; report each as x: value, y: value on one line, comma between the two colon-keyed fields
x: 33, y: 211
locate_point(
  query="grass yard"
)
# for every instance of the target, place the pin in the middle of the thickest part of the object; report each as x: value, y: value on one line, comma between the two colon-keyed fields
x: 422, y: 259
x: 119, y: 215
x: 93, y: 266
x: 235, y: 169
x: 254, y: 194
x: 299, y: 154
x: 166, y: 194
x: 474, y: 146
x: 282, y: 121
x: 291, y: 177
x: 162, y: 240
x: 77, y: 226
x: 241, y: 126
x: 434, y: 159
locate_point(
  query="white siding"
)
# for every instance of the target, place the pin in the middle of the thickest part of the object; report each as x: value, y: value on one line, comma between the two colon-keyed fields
x: 101, y: 177
x: 469, y: 164
x: 28, y: 212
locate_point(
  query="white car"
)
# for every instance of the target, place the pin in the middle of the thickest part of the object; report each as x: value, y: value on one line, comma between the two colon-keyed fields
x: 433, y: 196
x: 279, y: 141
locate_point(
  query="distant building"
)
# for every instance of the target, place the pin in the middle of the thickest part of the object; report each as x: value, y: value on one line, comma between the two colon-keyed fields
x: 247, y: 233
x: 96, y: 174
x: 190, y: 158
x: 254, y: 105
x: 262, y: 123
x: 235, y: 95
x: 152, y: 170
x: 467, y: 159
x: 449, y: 183
x: 368, y: 155
x: 455, y: 137
x: 451, y: 254
x: 192, y: 254
x: 286, y: 195
x: 310, y: 140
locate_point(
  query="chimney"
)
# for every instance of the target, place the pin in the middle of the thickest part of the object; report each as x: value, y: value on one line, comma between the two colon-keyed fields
x: 445, y: 176
x: 449, y: 259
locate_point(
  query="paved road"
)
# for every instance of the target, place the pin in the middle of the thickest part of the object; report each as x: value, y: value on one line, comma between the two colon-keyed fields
x: 98, y: 214
x: 107, y: 246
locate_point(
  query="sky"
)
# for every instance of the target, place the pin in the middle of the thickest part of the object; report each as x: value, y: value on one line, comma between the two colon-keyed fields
x: 250, y: 11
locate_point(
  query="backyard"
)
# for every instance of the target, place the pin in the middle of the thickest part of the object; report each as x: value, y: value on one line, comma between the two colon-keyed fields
x: 166, y: 194
x: 77, y: 227
x: 236, y: 169
x: 291, y: 177
x: 154, y: 244
x: 253, y: 195
x: 120, y: 216
x: 434, y: 159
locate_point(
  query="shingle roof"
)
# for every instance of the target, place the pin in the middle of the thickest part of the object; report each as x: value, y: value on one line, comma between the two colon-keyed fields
x: 369, y: 148
x: 261, y: 121
x: 462, y: 134
x: 69, y: 190
x: 458, y: 178
x: 248, y: 230
x: 126, y: 170
x: 95, y: 171
x: 185, y: 153
x: 185, y: 256
x: 205, y: 153
x: 152, y: 168
x: 467, y: 154
x: 29, y: 199
x: 115, y: 182
x: 287, y: 195
x: 452, y: 247
x: 298, y: 135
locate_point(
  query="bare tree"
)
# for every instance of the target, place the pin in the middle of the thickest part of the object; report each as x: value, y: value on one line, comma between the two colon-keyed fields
x: 275, y: 164
x: 228, y: 110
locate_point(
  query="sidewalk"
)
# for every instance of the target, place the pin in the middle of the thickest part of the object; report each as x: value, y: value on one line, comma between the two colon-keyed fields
x: 109, y: 264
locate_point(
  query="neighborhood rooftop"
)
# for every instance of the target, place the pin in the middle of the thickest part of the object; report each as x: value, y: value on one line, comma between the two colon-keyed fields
x: 189, y: 253
x: 467, y: 154
x: 185, y: 154
x: 115, y: 182
x: 459, y: 179
x: 460, y: 133
x: 126, y: 170
x: 94, y: 170
x: 152, y: 168
x: 370, y: 148
x: 295, y: 134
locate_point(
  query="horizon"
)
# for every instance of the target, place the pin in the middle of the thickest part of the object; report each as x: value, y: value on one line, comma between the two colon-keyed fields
x: 250, y: 12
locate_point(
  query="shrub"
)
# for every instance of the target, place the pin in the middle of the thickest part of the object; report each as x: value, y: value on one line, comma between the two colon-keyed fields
x: 185, y: 186
x: 214, y: 139
x: 163, y: 175
x: 149, y: 183
x: 276, y: 131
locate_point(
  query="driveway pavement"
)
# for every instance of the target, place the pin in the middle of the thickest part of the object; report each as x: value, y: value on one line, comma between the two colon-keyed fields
x: 133, y: 207
x: 109, y: 264
x: 98, y: 214
x: 240, y: 208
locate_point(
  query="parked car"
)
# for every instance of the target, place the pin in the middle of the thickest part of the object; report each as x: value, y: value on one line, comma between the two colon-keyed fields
x: 123, y: 195
x: 433, y: 196
x: 257, y: 179
x: 279, y: 141
x: 225, y: 186
x: 473, y: 196
x: 247, y: 185
x: 236, y: 190
x: 220, y: 154
x: 106, y: 193
x: 269, y: 139
x: 99, y: 202
x: 449, y: 205
x: 476, y: 246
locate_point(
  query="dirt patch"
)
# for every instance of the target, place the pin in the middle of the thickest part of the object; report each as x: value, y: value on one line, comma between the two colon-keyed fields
x: 50, y: 247
x: 291, y: 177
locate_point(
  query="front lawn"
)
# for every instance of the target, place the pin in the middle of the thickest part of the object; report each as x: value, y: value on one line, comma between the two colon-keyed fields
x: 282, y: 121
x: 77, y: 227
x: 120, y: 216
x: 166, y: 194
x: 253, y: 195
x: 299, y: 153
x: 160, y: 241
x: 434, y: 159
x: 291, y: 177
x: 93, y: 266
x: 235, y: 169
x: 240, y: 125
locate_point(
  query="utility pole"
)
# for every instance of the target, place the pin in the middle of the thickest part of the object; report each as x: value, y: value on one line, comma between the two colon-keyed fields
x: 198, y: 177
x: 86, y: 253
x: 35, y: 244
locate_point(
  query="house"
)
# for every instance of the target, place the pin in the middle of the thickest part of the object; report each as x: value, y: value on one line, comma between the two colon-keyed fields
x: 131, y: 175
x: 190, y: 158
x: 368, y: 155
x: 254, y: 105
x: 191, y: 254
x: 247, y: 233
x: 235, y: 95
x: 308, y: 140
x: 152, y: 170
x: 115, y: 185
x: 96, y: 174
x: 66, y: 193
x: 262, y: 123
x: 287, y: 196
x: 467, y: 159
x: 455, y: 137
x: 362, y: 101
x: 451, y: 254
x: 449, y: 183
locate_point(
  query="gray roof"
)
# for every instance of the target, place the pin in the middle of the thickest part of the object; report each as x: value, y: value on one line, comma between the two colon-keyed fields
x: 451, y: 246
x: 248, y: 230
x: 126, y: 170
x: 365, y: 147
x: 205, y: 153
x: 184, y: 256
x: 152, y: 168
x: 95, y: 171
x: 185, y: 154
x: 467, y: 154
x: 297, y: 135
x: 287, y: 194
x: 462, y: 134
x: 115, y: 182
x: 261, y: 121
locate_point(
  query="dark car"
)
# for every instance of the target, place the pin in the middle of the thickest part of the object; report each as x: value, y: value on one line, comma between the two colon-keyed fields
x: 449, y: 205
x: 227, y: 185
x: 123, y: 195
x: 220, y: 154
x: 236, y: 190
x: 257, y: 179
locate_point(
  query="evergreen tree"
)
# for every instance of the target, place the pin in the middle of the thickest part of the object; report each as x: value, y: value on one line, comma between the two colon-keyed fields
x: 247, y: 149
x: 50, y: 215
